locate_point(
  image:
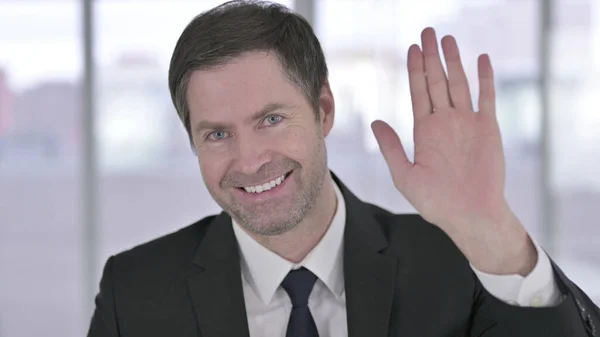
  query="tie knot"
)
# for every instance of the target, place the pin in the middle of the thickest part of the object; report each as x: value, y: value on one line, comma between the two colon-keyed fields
x: 298, y: 284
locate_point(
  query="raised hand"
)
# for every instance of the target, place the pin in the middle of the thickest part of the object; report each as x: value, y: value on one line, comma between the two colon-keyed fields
x: 458, y: 176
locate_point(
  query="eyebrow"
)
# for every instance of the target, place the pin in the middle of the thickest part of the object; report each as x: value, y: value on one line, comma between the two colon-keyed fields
x: 267, y: 109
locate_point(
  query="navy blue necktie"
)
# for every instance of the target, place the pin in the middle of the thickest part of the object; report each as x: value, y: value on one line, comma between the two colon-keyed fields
x: 298, y: 284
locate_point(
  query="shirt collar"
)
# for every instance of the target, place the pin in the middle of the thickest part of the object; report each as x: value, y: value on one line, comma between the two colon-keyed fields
x: 264, y: 270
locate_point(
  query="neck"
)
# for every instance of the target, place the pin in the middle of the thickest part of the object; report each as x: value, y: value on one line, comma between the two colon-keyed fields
x: 295, y: 244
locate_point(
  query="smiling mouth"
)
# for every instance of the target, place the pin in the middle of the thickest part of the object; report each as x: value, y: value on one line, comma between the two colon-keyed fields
x: 266, y: 186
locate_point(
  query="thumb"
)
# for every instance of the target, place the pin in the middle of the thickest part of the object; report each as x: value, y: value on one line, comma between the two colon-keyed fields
x: 393, y: 152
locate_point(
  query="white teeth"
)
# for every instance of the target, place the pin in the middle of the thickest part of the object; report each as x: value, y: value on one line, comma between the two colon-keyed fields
x: 265, y: 186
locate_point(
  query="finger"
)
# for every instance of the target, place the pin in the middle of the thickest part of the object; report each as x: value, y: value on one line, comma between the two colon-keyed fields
x: 487, y: 91
x: 458, y: 85
x: 393, y: 152
x: 419, y: 95
x: 436, y: 77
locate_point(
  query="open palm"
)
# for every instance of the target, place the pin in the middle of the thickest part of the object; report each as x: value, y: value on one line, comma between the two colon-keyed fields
x: 458, y: 169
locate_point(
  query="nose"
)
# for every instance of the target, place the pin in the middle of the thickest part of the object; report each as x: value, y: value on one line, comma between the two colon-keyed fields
x: 253, y: 153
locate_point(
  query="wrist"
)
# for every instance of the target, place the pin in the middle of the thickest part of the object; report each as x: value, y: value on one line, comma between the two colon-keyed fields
x: 501, y: 247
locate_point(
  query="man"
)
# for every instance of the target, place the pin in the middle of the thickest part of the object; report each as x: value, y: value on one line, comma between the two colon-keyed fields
x: 295, y: 253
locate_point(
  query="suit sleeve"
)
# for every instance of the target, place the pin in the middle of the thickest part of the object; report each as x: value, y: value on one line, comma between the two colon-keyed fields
x: 575, y: 315
x: 104, y: 319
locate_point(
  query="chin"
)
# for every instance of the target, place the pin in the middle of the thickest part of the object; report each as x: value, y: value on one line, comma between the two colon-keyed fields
x: 271, y: 230
x: 269, y: 227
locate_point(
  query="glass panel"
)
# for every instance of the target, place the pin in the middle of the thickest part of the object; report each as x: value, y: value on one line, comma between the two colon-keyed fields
x: 575, y: 139
x: 41, y: 271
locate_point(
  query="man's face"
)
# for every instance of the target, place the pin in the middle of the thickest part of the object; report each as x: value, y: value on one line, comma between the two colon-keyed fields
x: 260, y: 145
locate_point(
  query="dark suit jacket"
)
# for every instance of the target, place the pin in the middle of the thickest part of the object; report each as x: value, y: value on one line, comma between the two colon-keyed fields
x: 403, y: 277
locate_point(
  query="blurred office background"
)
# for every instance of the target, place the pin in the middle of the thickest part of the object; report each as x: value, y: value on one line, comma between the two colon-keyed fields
x: 70, y: 197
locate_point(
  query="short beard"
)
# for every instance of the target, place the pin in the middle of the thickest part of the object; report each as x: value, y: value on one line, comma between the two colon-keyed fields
x: 303, y: 204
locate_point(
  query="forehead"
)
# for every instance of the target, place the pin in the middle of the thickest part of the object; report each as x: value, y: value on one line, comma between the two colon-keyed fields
x: 241, y: 86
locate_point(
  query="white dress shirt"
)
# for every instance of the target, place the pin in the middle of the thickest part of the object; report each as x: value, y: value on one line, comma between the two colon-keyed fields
x: 268, y: 306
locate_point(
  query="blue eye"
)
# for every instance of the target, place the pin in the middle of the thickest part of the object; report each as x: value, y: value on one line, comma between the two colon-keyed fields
x: 273, y: 119
x: 217, y: 135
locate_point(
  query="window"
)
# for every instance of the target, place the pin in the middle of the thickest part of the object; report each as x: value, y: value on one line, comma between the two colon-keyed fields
x: 41, y: 290
x: 575, y: 140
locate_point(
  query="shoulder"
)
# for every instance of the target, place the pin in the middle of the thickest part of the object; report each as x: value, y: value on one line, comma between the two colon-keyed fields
x: 410, y: 232
x: 166, y: 255
x: 428, y: 259
x: 412, y: 224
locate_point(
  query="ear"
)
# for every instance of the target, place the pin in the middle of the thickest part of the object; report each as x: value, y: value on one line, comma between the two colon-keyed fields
x: 326, y: 108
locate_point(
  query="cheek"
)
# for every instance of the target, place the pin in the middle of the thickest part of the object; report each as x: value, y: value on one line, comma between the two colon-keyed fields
x: 297, y: 143
x: 212, y: 167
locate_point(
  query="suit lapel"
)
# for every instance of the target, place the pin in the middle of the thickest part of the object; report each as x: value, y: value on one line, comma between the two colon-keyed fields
x: 370, y: 276
x: 215, y: 283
